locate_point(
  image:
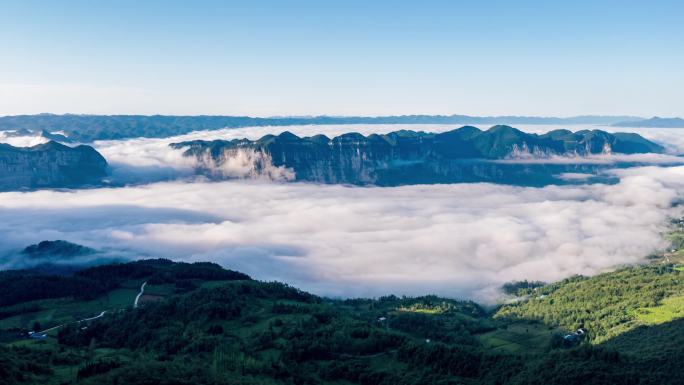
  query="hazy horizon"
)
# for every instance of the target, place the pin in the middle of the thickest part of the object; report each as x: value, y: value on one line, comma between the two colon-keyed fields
x: 369, y: 115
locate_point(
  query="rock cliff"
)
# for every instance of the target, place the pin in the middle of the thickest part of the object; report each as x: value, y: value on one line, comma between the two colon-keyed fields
x: 467, y: 154
x: 49, y: 165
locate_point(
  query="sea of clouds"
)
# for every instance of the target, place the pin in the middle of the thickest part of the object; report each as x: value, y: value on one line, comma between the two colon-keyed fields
x: 460, y: 240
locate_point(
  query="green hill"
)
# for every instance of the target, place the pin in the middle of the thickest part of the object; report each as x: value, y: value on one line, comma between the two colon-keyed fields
x: 606, y: 305
x: 201, y: 324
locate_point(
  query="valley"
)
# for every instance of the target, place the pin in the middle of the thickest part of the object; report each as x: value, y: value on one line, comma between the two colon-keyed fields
x: 304, y: 192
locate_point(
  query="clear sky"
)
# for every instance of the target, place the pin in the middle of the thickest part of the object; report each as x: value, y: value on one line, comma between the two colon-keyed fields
x: 348, y: 57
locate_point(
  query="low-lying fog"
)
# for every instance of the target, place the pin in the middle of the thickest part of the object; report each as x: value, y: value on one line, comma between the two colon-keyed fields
x: 461, y: 240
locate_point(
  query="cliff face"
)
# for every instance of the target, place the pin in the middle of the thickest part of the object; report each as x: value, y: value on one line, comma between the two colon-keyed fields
x: 405, y: 157
x: 49, y: 165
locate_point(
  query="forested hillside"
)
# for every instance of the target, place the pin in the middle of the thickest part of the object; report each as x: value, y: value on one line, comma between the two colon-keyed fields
x: 200, y: 324
x: 606, y: 305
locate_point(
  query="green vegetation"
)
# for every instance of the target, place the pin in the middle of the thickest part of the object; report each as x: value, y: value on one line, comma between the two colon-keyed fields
x: 670, y: 309
x: 519, y: 337
x: 207, y: 325
x: 605, y: 305
x: 521, y: 288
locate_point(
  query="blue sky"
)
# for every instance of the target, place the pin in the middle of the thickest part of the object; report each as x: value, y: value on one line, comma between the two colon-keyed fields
x: 348, y: 57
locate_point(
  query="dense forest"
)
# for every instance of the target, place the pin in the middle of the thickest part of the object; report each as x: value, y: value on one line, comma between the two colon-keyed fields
x: 201, y: 324
x: 17, y: 286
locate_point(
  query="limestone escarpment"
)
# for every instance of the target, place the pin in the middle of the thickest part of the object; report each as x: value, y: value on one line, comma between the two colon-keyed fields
x: 407, y: 157
x: 49, y: 165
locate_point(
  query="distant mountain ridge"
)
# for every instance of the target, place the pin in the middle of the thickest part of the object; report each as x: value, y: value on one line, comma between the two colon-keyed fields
x: 58, y: 248
x: 654, y: 122
x: 406, y: 157
x: 87, y: 128
x: 49, y: 164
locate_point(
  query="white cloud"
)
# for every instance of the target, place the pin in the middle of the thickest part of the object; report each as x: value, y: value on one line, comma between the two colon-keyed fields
x: 21, y: 141
x: 461, y: 240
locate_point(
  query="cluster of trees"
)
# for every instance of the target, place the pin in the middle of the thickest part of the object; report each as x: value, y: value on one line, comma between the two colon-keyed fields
x: 521, y: 288
x: 21, y: 365
x: 160, y: 271
x: 18, y: 286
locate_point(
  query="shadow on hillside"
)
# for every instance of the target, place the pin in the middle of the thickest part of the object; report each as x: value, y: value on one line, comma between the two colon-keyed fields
x: 659, y: 347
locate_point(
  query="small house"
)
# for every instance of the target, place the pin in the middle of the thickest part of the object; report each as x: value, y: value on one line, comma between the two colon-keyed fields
x: 37, y: 335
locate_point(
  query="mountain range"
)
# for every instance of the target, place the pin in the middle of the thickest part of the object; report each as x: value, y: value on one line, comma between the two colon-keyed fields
x: 87, y: 128
x: 501, y: 154
x: 654, y: 122
x: 467, y: 154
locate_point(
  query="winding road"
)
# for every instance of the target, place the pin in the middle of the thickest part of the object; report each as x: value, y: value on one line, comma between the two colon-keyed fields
x: 135, y: 305
x: 137, y: 298
x: 78, y: 322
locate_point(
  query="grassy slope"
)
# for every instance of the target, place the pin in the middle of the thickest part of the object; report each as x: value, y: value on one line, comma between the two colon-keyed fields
x: 669, y: 309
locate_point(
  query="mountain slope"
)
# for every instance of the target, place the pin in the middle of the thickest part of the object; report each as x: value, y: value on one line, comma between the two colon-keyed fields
x: 204, y: 325
x: 606, y: 305
x: 49, y: 165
